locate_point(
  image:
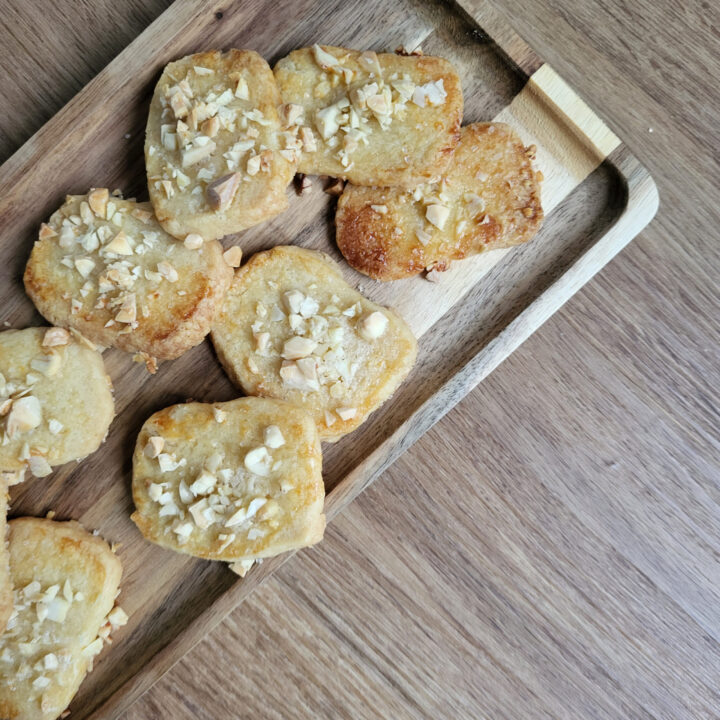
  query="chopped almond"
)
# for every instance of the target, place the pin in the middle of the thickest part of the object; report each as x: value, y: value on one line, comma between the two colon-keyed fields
x: 233, y: 256
x: 221, y: 192
x: 98, y: 200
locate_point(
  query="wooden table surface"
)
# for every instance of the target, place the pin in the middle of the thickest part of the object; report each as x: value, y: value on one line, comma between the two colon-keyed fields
x: 551, y: 548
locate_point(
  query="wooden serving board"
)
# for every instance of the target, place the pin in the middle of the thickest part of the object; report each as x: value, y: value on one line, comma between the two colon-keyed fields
x: 596, y: 196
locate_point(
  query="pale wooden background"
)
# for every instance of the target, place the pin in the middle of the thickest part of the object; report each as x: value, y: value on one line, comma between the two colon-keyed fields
x: 551, y: 548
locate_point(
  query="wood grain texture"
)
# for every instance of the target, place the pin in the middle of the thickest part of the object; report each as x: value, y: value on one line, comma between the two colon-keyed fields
x: 518, y: 292
x: 549, y: 549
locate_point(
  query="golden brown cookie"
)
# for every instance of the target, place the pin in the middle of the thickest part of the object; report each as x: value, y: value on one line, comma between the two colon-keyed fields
x: 56, y: 402
x: 371, y: 118
x: 66, y: 581
x: 217, y: 161
x: 488, y: 198
x: 232, y: 481
x: 292, y: 328
x: 105, y: 267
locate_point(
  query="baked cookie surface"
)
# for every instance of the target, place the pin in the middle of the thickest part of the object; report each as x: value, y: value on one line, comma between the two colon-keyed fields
x: 217, y: 161
x: 238, y: 480
x: 66, y: 581
x: 105, y: 267
x: 56, y: 402
x: 488, y: 198
x: 292, y: 328
x: 6, y: 586
x: 372, y: 118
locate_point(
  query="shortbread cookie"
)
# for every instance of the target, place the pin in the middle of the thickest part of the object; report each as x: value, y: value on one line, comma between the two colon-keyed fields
x: 373, y: 119
x: 66, y: 581
x: 489, y: 198
x: 56, y: 401
x: 231, y: 481
x: 105, y: 267
x: 292, y: 328
x: 6, y: 598
x: 216, y: 159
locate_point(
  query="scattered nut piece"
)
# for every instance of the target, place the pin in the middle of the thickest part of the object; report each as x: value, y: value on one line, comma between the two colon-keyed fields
x: 117, y: 617
x: 168, y: 463
x: 290, y: 113
x: 25, y: 415
x: 46, y: 232
x: 233, y: 256
x: 142, y: 215
x: 221, y: 192
x: 179, y: 105
x: 55, y: 426
x: 39, y: 466
x: 241, y: 567
x: 55, y: 337
x: 98, y: 200
x: 273, y: 437
x: 167, y: 271
x: 373, y: 326
x: 346, y: 413
x: 128, y: 310
x: 293, y: 300
x: 154, y: 446
x: 253, y: 165
x: 193, y: 241
x: 84, y: 266
x: 242, y: 90
x: 210, y: 126
x: 323, y: 58
x: 437, y: 215
x: 262, y: 341
x: 423, y: 236
x: 151, y: 363
x: 402, y: 50
x: 203, y: 484
x: 197, y: 510
x: 197, y: 153
x: 298, y: 347
x: 219, y: 415
x: 258, y: 461
x: 48, y: 365
x: 119, y: 245
x: 308, y: 139
x: 335, y: 186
